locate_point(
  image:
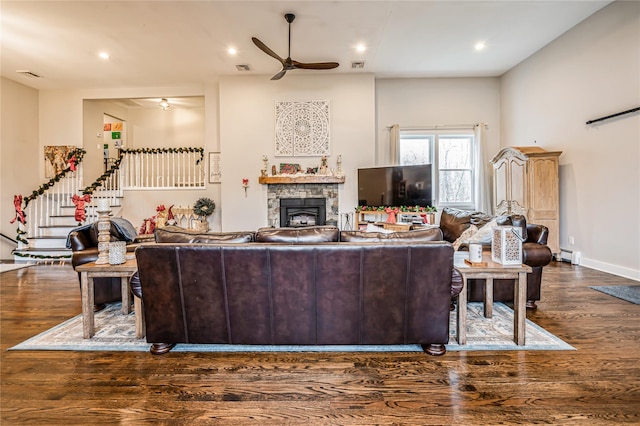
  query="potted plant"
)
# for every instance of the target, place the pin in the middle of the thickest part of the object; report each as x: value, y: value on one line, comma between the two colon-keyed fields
x: 203, y: 208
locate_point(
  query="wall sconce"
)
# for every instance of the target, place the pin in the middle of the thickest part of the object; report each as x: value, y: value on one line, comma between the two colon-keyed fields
x: 164, y: 104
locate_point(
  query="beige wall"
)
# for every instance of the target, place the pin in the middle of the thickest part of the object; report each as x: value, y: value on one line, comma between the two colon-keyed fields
x: 591, y: 71
x: 19, y: 163
x: 437, y: 101
x: 247, y: 129
x: 175, y: 127
x: 93, y: 119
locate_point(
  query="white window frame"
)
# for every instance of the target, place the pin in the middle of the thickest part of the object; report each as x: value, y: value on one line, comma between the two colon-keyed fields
x: 434, y: 137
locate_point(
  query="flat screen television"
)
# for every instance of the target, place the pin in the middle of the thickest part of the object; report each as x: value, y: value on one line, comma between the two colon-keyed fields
x: 395, y: 186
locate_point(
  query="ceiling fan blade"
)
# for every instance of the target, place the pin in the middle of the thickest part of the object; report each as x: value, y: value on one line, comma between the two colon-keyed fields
x: 281, y: 74
x: 316, y: 65
x: 266, y: 50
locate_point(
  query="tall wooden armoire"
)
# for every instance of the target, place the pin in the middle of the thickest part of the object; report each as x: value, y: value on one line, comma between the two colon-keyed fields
x: 525, y: 181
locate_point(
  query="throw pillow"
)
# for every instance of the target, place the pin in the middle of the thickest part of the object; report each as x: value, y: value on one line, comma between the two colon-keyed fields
x: 373, y: 228
x: 465, y: 236
x: 484, y: 234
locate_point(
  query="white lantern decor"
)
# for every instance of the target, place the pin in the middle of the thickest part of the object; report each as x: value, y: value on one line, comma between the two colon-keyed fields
x: 506, y: 245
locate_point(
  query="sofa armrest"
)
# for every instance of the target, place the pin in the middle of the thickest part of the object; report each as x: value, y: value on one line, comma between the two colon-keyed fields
x: 537, y: 234
x: 534, y: 254
x: 81, y: 257
x: 79, y: 240
x: 456, y: 283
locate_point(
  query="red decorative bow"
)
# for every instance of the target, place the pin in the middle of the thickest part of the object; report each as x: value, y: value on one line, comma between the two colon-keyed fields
x: 72, y: 163
x: 392, y: 214
x: 80, y: 214
x: 17, y: 203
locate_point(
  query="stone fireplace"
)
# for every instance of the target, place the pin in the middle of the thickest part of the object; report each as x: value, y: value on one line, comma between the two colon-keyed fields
x: 302, y: 204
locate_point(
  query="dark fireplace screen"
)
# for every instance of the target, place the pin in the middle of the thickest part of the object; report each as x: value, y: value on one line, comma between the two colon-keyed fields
x: 295, y: 212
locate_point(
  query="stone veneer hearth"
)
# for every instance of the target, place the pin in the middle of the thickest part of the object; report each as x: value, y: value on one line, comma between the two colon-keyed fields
x: 275, y: 192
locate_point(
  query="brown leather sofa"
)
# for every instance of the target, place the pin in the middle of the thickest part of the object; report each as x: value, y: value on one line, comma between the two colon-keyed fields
x: 535, y: 252
x: 83, y: 241
x: 297, y: 286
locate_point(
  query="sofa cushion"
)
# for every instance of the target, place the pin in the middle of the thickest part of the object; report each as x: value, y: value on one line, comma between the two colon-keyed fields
x: 419, y: 235
x: 484, y: 234
x: 308, y: 234
x: 175, y: 234
x: 453, y: 222
x: 374, y: 228
x: 464, y: 238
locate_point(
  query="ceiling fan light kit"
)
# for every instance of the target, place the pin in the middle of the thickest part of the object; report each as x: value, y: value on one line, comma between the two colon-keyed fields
x: 164, y: 104
x: 289, y: 64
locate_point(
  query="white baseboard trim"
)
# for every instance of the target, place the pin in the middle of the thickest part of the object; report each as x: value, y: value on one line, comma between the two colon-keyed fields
x: 621, y: 271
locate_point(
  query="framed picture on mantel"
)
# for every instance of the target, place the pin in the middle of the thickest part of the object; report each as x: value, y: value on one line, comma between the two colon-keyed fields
x: 215, y: 173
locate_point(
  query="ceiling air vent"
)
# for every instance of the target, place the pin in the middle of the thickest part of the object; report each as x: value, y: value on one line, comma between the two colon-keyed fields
x: 243, y: 67
x: 357, y: 65
x: 28, y: 73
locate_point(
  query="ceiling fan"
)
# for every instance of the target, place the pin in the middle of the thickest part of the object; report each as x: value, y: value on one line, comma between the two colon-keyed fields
x: 289, y: 64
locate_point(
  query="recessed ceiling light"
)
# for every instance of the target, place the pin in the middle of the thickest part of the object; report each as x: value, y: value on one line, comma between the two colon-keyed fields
x: 232, y: 51
x: 480, y: 45
x: 104, y: 55
x: 361, y: 47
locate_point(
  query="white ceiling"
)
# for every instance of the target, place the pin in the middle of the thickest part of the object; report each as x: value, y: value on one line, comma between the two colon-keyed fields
x: 179, y: 43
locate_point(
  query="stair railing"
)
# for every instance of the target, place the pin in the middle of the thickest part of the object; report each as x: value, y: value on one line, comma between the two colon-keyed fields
x: 37, y: 210
x: 147, y: 168
x: 163, y: 168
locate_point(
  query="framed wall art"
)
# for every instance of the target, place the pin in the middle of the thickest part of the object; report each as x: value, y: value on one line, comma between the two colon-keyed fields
x: 302, y: 128
x: 55, y: 159
x: 215, y: 172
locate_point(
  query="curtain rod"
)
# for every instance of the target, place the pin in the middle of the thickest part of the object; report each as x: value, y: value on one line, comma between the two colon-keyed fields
x: 629, y: 111
x: 441, y: 126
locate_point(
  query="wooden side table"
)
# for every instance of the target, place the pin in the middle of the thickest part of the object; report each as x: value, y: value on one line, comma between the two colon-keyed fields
x: 88, y: 272
x: 489, y: 272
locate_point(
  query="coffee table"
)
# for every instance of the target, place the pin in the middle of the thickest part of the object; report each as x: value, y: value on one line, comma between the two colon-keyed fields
x: 88, y: 272
x: 489, y: 272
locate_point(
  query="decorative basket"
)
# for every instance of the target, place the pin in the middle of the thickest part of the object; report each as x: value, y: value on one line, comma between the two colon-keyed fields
x: 117, y: 252
x: 506, y: 245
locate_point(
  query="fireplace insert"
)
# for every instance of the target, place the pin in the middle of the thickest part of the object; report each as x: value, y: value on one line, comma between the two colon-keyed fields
x: 295, y: 212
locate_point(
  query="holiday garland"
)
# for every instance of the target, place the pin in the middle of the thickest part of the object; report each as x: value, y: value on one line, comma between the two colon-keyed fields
x: 165, y: 151
x: 403, y: 209
x: 76, y: 155
x: 98, y: 182
x: 42, y: 256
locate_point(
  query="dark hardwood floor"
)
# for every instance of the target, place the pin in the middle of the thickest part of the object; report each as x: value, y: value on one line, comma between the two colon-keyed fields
x: 599, y: 383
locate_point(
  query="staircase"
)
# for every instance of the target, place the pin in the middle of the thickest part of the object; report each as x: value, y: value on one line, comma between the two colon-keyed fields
x: 50, y: 211
x: 51, y: 216
x: 50, y: 241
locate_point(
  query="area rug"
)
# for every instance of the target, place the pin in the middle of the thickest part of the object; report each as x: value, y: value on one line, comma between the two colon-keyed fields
x: 116, y: 332
x: 6, y: 267
x: 630, y: 293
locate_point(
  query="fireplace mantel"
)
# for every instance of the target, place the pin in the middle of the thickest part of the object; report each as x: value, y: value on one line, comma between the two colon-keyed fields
x: 293, y: 179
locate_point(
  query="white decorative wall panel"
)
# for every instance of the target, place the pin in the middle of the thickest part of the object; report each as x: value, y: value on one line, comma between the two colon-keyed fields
x: 302, y: 128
